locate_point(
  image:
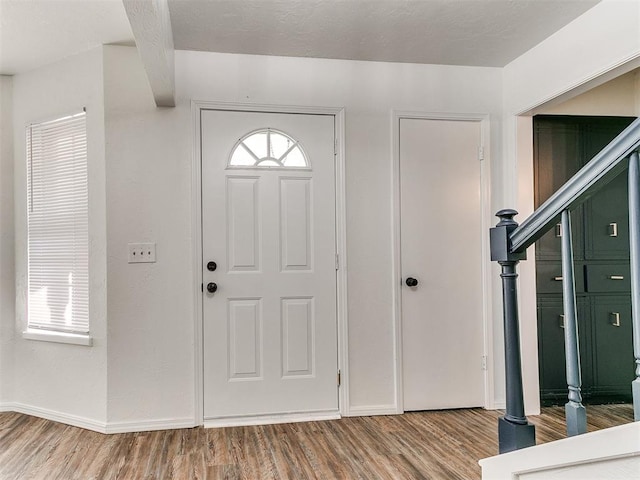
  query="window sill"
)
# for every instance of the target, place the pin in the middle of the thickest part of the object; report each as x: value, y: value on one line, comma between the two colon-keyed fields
x: 58, y: 337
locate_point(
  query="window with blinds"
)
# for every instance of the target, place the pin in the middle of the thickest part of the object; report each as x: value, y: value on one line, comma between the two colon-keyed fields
x: 58, y: 225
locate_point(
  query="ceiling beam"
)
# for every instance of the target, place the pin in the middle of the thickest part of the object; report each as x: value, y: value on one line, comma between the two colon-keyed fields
x: 151, y: 27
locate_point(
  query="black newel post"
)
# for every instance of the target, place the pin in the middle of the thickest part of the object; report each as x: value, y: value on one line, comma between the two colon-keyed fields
x: 514, y: 431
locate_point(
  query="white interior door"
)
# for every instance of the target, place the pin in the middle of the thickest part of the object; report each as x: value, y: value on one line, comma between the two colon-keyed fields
x: 442, y: 322
x: 268, y: 222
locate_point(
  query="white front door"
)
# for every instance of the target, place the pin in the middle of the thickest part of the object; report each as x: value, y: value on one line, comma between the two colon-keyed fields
x: 441, y: 238
x: 268, y: 224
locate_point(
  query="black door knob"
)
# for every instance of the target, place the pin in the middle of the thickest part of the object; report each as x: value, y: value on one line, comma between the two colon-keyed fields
x: 211, y: 266
x: 212, y: 287
x: 411, y: 282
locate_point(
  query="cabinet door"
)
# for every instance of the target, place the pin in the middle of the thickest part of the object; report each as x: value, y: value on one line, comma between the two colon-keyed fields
x: 606, y: 213
x: 607, y: 232
x: 549, y: 277
x: 551, y: 351
x: 608, y: 278
x: 557, y: 154
x: 613, y: 347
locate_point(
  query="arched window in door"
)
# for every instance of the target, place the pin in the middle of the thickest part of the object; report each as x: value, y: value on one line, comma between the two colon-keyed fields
x: 268, y: 148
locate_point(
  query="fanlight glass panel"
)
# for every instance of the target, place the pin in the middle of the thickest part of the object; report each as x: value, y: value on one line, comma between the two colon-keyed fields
x: 268, y: 148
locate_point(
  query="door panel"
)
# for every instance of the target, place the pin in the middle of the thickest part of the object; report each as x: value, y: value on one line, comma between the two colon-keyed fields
x: 552, y: 350
x: 245, y: 339
x: 243, y: 224
x: 295, y: 223
x: 297, y: 336
x: 613, y: 359
x: 607, y: 237
x: 270, y: 333
x: 442, y: 326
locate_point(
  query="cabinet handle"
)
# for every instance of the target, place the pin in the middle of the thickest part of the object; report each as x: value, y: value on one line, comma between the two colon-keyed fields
x: 557, y: 279
x: 561, y: 321
x: 616, y: 277
x: 558, y: 230
x: 614, y: 319
x: 613, y: 229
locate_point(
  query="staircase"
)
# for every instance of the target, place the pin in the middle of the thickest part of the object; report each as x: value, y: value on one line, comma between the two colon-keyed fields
x: 582, y: 455
x: 612, y: 453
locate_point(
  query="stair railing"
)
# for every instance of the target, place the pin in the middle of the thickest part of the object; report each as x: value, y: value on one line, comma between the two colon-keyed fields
x: 509, y: 242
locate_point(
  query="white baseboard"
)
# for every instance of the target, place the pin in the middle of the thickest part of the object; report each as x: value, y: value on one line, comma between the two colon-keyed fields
x: 60, y: 417
x: 7, y: 407
x: 149, y: 425
x: 370, y: 410
x: 269, y: 419
x: 96, y: 426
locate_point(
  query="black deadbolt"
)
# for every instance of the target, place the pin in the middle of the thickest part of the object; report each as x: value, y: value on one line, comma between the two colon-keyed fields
x: 211, y: 287
x: 411, y: 282
x: 211, y: 266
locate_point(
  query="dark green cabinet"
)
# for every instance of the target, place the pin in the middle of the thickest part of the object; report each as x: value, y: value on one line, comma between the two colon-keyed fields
x: 551, y: 346
x: 557, y: 157
x: 600, y: 234
x: 613, y: 345
x: 608, y: 235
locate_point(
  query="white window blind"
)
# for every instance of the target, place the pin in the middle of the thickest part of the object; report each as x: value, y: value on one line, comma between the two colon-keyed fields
x: 58, y: 225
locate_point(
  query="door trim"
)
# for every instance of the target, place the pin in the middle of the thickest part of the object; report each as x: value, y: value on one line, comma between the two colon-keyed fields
x: 485, y: 194
x: 341, y: 241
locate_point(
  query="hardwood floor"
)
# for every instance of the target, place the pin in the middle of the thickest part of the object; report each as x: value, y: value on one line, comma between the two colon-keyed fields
x: 424, y: 445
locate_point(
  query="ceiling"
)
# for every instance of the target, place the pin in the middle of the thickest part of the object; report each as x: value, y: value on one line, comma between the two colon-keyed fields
x: 452, y: 32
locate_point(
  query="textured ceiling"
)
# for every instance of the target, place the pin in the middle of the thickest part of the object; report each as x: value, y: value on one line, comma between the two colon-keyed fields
x: 454, y: 32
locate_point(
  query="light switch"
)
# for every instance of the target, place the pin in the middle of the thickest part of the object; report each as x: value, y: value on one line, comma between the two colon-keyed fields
x: 142, y: 252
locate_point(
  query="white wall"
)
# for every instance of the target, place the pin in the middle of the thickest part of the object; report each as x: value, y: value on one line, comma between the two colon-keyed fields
x: 151, y: 339
x: 55, y: 379
x: 149, y: 152
x: 602, y: 44
x: 7, y: 282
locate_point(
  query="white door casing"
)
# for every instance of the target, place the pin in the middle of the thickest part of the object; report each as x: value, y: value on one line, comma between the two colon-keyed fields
x: 269, y: 331
x: 441, y: 246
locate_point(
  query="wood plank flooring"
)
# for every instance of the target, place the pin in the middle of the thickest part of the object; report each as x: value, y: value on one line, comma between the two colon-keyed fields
x: 423, y: 445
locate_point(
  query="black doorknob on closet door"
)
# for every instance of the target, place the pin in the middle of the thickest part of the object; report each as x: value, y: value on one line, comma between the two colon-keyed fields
x: 212, y: 287
x: 211, y: 266
x: 411, y: 282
